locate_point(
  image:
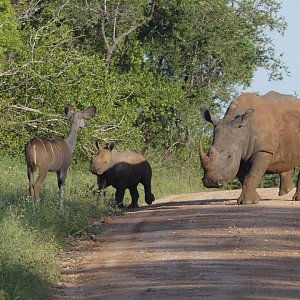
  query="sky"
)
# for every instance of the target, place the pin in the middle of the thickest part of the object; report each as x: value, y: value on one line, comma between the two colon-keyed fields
x: 289, y: 45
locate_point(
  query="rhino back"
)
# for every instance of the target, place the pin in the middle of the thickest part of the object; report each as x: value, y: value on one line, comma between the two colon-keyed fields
x: 130, y: 167
x: 274, y: 128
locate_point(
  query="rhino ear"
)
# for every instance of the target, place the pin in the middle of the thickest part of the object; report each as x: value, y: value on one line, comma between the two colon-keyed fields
x: 96, y: 145
x: 111, y: 146
x: 242, y: 120
x: 208, y: 117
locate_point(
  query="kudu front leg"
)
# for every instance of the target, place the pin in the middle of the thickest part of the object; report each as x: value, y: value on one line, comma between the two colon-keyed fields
x: 61, y: 179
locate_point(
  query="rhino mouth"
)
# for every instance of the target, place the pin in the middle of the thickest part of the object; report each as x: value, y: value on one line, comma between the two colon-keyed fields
x: 212, y: 182
x: 95, y: 171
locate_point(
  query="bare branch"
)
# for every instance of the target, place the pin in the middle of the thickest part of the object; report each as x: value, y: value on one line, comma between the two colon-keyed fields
x: 116, y: 40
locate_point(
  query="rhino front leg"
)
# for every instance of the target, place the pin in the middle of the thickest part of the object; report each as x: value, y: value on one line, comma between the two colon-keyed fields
x: 252, y: 179
x: 120, y: 196
x: 286, y: 182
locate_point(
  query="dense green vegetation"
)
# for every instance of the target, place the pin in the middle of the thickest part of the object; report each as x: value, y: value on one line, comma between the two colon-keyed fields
x: 147, y: 66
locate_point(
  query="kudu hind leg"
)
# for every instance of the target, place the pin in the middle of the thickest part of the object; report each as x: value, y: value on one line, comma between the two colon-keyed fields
x: 30, y: 174
x: 61, y: 179
x: 37, y: 186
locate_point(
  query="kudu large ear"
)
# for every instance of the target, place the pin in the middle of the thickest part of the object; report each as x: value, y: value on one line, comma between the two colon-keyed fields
x: 89, y: 112
x: 242, y: 120
x: 69, y: 110
x: 96, y: 145
x: 208, y: 117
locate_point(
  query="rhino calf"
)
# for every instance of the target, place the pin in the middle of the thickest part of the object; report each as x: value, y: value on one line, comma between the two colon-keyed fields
x: 257, y: 135
x: 122, y: 170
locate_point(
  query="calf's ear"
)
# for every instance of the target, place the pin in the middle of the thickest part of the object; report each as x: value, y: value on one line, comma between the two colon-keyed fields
x: 242, y: 120
x: 111, y: 146
x: 208, y: 117
x: 96, y: 145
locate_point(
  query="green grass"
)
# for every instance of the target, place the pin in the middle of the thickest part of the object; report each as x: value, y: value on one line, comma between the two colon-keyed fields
x: 175, y: 180
x: 28, y: 262
x: 31, y: 237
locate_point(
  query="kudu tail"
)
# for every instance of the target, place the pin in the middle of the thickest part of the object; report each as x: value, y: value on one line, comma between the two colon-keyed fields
x: 30, y: 156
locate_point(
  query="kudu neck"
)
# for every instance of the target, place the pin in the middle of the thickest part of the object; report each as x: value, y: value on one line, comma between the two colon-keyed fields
x: 71, y: 139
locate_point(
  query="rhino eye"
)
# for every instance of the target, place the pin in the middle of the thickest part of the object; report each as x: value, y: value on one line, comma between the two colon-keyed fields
x: 229, y: 156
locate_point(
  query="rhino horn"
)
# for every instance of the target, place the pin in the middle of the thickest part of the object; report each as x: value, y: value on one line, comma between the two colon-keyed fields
x: 213, y: 151
x: 205, y: 162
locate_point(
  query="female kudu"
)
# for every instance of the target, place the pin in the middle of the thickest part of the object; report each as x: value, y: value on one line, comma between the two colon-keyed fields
x: 54, y: 155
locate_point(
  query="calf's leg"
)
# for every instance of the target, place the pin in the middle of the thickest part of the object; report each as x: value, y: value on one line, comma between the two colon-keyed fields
x: 134, y: 196
x: 120, y: 195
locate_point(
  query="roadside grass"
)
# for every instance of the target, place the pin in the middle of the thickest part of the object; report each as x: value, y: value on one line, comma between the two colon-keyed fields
x: 32, y: 238
x: 174, y: 180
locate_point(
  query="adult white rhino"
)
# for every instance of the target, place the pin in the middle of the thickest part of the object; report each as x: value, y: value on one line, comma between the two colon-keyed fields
x: 257, y: 135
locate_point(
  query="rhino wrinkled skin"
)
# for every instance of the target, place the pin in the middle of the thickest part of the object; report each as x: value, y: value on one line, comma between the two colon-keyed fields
x: 257, y: 135
x: 122, y: 170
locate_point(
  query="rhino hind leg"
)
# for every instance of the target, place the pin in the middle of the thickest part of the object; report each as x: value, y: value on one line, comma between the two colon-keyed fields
x: 134, y: 196
x: 286, y: 182
x: 149, y: 197
x: 296, y: 197
x: 146, y: 181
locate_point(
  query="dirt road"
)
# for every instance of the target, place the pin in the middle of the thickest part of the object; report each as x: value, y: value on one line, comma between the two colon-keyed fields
x: 193, y: 246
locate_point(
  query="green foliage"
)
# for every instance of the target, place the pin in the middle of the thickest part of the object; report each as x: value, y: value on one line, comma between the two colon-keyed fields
x: 10, y: 40
x: 158, y: 77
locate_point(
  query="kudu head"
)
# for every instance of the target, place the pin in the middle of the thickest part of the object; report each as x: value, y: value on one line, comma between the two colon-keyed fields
x: 77, y: 121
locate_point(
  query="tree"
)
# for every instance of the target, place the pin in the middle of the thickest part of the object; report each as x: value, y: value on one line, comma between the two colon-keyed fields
x: 10, y: 41
x: 162, y: 68
x: 220, y: 46
x: 118, y: 20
